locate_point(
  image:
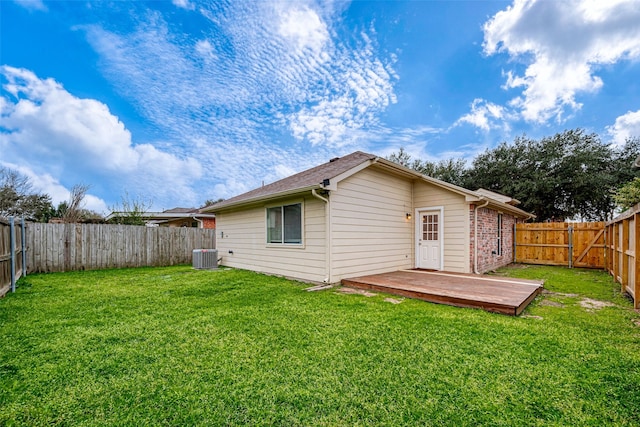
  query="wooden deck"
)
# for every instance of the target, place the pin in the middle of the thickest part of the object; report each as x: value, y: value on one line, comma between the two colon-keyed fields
x: 495, y: 294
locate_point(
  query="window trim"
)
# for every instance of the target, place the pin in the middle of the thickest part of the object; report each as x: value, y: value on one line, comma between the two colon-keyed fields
x: 266, y: 224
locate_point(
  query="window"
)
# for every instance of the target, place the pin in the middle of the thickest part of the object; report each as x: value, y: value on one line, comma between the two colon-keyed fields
x: 284, y: 224
x: 499, y: 234
x: 430, y: 227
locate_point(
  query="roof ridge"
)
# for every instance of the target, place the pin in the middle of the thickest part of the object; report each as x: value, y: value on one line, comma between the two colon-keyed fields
x: 306, y: 178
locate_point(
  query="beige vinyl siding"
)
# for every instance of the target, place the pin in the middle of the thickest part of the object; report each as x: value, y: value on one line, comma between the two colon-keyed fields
x: 370, y: 233
x: 245, y: 235
x: 456, y: 223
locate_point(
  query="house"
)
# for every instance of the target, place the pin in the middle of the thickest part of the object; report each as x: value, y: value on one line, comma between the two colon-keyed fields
x: 176, y: 217
x: 362, y: 214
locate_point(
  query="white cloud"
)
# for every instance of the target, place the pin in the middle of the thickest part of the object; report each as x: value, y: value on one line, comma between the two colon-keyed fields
x: 626, y: 126
x: 563, y: 44
x: 304, y: 28
x: 205, y: 49
x: 47, y: 184
x: 184, y: 4
x: 486, y: 116
x: 232, y: 95
x: 361, y: 89
x: 63, y: 136
x: 32, y: 4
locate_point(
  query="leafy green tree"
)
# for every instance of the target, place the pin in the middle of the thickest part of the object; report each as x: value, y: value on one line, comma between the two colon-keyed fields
x: 451, y: 170
x: 61, y: 209
x: 628, y: 195
x: 623, y: 159
x: 569, y: 174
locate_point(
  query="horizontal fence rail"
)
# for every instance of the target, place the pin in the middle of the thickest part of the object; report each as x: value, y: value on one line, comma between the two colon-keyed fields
x: 561, y: 243
x: 623, y: 235
x: 68, y: 247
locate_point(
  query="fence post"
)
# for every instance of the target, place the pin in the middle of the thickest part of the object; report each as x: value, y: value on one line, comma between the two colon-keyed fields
x: 570, y: 230
x: 24, y: 248
x: 12, y: 251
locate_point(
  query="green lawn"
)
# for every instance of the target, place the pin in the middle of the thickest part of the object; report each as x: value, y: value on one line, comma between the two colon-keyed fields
x: 175, y: 346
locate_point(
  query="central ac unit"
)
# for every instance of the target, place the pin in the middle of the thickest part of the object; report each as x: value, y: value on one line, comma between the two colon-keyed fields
x: 205, y: 259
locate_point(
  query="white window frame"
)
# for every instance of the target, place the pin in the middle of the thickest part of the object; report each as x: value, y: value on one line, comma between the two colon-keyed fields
x: 266, y: 228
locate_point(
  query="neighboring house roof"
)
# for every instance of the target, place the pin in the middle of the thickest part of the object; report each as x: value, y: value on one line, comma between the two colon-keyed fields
x: 327, y: 175
x: 169, y: 214
x: 181, y: 210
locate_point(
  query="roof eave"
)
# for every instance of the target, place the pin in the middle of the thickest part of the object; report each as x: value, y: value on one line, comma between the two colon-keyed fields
x: 501, y: 206
x: 263, y: 198
x: 470, y: 196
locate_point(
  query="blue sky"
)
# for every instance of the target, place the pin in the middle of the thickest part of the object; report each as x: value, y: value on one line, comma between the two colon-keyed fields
x: 176, y: 102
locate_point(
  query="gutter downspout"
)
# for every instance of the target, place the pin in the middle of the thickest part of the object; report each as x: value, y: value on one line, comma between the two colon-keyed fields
x: 327, y: 239
x: 201, y: 222
x: 475, y: 234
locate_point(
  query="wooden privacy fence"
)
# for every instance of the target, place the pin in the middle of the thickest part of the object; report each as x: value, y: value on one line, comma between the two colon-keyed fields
x: 12, y: 254
x: 623, y: 235
x: 561, y: 243
x: 67, y: 247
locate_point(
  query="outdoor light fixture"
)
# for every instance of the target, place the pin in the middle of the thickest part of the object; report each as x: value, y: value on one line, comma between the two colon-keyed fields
x: 408, y: 215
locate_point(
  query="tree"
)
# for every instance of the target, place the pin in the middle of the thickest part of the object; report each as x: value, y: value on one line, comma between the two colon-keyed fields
x: 451, y: 170
x: 569, y: 174
x: 628, y: 195
x: 130, y: 211
x: 17, y: 197
x: 75, y: 211
x: 210, y: 202
x: 401, y: 157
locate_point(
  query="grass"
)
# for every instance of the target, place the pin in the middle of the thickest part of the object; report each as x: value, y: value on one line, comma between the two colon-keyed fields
x: 175, y: 346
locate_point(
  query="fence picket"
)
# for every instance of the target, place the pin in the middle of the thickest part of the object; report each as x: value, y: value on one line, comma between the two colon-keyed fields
x: 65, y: 247
x: 561, y: 243
x: 623, y: 235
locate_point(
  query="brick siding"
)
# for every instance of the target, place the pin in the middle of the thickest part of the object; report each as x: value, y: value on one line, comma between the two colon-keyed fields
x: 488, y: 257
x: 208, y: 223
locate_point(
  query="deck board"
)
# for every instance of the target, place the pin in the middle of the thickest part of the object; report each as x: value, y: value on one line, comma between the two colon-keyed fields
x: 501, y: 295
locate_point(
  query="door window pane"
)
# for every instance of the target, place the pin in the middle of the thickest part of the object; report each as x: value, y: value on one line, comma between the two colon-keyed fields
x: 430, y: 227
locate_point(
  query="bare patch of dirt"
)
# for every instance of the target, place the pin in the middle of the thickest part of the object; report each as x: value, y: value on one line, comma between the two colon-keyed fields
x: 560, y: 294
x: 531, y: 316
x: 393, y: 300
x: 636, y: 322
x: 351, y: 291
x: 593, y: 304
x: 549, y: 303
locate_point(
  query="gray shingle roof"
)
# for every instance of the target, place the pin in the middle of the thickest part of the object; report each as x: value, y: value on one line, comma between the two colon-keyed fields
x: 181, y: 210
x: 308, y: 178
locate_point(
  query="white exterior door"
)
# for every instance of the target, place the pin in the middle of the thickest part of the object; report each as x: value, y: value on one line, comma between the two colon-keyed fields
x: 429, y: 239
